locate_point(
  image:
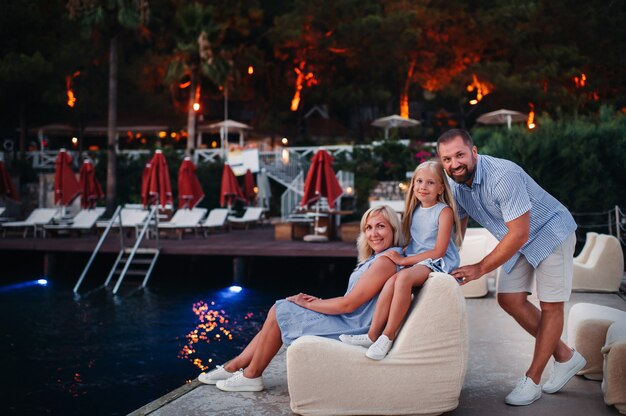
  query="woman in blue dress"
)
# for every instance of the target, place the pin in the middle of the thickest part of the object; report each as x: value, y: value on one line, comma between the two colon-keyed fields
x: 303, y: 314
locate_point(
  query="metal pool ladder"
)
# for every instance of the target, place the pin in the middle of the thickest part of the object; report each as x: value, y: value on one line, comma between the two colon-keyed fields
x: 134, y: 256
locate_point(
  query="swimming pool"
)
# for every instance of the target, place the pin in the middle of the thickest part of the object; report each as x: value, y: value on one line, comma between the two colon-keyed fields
x: 110, y: 355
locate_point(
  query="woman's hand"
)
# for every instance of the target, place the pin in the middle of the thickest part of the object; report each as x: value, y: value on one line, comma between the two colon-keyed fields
x: 302, y: 299
x: 395, y: 257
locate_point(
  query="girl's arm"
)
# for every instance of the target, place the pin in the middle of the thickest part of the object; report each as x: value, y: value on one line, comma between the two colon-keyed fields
x: 368, y: 286
x: 446, y: 223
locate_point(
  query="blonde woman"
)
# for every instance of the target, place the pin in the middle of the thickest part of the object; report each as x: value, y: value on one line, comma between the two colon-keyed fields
x: 303, y: 314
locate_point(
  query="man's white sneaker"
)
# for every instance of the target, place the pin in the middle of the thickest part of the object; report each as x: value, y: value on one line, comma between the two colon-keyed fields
x: 362, y: 340
x: 214, y: 376
x: 380, y: 348
x: 563, y: 372
x: 239, y: 382
x: 524, y: 393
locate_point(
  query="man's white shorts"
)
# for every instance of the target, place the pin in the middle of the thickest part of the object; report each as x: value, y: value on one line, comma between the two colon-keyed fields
x: 554, y: 274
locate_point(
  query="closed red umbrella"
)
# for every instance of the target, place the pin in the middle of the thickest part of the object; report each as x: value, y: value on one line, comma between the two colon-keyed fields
x: 321, y: 180
x: 248, y: 187
x: 230, y: 191
x: 90, y: 188
x: 66, y: 187
x: 6, y: 184
x: 158, y: 186
x: 189, y: 189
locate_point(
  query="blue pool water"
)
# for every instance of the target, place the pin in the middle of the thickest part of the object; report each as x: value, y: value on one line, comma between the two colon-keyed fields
x: 109, y: 355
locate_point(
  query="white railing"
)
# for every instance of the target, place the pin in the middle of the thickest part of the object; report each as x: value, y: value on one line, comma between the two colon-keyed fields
x: 283, y: 166
x: 290, y: 199
x: 334, y: 151
x: 207, y: 156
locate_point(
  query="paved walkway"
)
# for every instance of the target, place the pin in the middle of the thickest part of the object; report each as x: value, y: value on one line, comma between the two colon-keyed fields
x: 500, y: 352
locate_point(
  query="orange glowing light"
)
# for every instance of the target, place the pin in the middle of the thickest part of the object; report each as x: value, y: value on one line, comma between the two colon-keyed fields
x: 71, y: 98
x: 302, y: 79
x: 173, y: 135
x: 250, y: 70
x: 481, y: 88
x: 580, y: 81
x: 196, y: 107
x: 162, y: 134
x: 183, y: 85
x: 531, y: 117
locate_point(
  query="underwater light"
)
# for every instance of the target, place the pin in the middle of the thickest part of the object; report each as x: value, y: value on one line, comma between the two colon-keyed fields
x: 22, y: 285
x: 235, y: 289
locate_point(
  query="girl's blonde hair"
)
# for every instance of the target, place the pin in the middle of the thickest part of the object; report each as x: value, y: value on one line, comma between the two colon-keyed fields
x: 411, y: 201
x: 362, y: 245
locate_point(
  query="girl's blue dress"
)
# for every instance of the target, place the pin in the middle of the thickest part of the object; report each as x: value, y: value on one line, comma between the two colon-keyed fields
x: 295, y: 321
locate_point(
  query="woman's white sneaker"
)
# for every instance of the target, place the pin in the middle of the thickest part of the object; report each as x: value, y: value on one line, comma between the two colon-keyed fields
x: 239, y: 382
x: 524, y: 393
x: 214, y: 376
x: 563, y: 372
x: 380, y: 348
x: 362, y: 340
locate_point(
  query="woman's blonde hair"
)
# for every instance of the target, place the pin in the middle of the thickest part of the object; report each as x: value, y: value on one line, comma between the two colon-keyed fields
x: 411, y: 201
x: 362, y: 245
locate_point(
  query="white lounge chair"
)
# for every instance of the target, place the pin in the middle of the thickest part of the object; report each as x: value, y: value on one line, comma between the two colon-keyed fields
x: 252, y: 215
x: 604, y: 268
x: 183, y: 220
x: 84, y: 221
x: 422, y: 374
x: 217, y: 219
x: 590, y: 241
x: 35, y: 221
x: 132, y: 219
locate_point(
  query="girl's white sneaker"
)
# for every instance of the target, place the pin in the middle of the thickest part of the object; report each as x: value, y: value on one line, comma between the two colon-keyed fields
x: 362, y: 340
x: 380, y: 348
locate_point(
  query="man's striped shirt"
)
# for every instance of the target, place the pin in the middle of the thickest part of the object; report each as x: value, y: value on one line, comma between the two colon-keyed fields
x: 501, y: 192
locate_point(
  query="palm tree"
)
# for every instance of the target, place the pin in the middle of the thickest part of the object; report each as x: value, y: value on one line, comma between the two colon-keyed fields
x: 110, y: 18
x: 194, y: 56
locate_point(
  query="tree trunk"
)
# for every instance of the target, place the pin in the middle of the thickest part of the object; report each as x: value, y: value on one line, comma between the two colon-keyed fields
x: 191, y: 115
x: 112, y: 127
x: 22, y: 143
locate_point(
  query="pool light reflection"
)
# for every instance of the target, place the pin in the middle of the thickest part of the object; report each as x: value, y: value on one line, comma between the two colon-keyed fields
x: 22, y: 285
x: 235, y: 289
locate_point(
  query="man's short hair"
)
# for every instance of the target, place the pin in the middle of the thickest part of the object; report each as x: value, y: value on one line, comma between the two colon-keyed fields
x: 448, y: 135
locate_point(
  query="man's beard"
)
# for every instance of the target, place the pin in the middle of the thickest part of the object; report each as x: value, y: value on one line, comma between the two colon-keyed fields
x: 465, y: 176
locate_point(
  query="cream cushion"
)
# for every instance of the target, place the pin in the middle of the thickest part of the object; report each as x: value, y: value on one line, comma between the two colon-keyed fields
x: 587, y: 325
x: 473, y: 250
x: 422, y: 374
x: 614, y: 380
x: 583, y: 256
x: 604, y: 268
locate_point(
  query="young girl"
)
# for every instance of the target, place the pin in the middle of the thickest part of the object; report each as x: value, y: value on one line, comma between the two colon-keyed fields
x: 429, y: 217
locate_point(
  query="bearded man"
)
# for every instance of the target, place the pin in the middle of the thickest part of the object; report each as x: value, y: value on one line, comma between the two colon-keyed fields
x: 536, y: 242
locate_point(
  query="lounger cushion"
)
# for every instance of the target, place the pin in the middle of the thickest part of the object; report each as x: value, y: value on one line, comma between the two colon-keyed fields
x: 614, y: 380
x: 586, y: 328
x: 604, y: 268
x: 422, y: 374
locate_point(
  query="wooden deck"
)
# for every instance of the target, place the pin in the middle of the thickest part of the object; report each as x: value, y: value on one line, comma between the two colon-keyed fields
x: 257, y: 242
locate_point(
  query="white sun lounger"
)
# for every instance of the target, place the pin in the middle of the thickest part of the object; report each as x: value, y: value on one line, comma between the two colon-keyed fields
x: 35, y: 221
x: 252, y: 215
x: 84, y: 221
x: 216, y: 219
x: 183, y: 220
